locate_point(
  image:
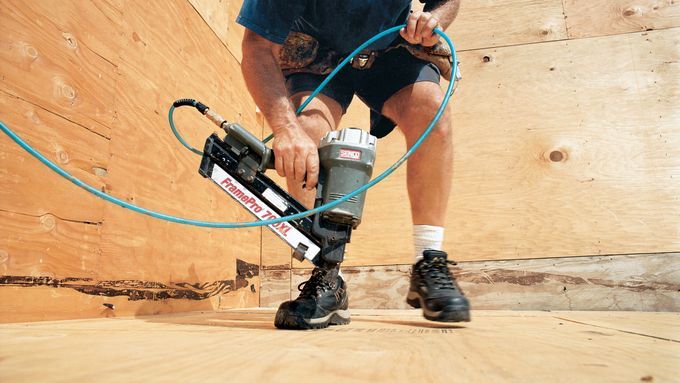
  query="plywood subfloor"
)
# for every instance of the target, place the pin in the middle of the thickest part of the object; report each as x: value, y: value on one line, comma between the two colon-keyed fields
x: 389, y: 345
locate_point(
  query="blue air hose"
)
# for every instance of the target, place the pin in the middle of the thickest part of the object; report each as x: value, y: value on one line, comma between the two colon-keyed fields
x: 234, y: 225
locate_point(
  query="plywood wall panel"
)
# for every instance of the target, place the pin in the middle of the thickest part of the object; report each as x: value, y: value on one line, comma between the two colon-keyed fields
x: 47, y: 61
x: 29, y: 187
x: 597, y: 18
x: 153, y: 170
x: 50, y: 303
x: 142, y: 265
x: 235, y: 31
x: 492, y: 23
x: 47, y: 246
x: 562, y: 148
x: 221, y: 15
x: 215, y: 13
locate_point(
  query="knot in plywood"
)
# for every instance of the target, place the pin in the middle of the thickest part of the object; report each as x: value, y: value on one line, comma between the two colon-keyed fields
x: 68, y: 91
x: 62, y: 89
x: 556, y: 155
x: 30, y: 51
x: 48, y: 221
x: 71, y: 41
x: 32, y: 116
x: 632, y: 11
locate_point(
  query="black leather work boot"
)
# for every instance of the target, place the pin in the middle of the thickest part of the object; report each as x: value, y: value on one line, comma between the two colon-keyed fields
x: 435, y: 290
x: 322, y: 302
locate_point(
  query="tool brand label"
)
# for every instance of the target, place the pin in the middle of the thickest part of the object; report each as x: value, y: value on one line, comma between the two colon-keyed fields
x: 260, y: 210
x: 275, y: 199
x: 350, y: 154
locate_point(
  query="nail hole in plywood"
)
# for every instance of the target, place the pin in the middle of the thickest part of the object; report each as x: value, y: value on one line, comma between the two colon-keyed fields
x: 71, y: 41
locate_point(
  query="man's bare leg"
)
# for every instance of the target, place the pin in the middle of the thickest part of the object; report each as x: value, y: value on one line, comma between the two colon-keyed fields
x: 432, y: 286
x: 322, y: 115
x: 430, y: 168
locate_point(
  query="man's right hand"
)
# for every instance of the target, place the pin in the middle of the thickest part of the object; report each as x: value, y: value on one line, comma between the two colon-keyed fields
x: 296, y: 155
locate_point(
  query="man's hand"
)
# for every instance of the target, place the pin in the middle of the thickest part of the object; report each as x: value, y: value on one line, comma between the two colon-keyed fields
x: 420, y: 28
x: 296, y: 156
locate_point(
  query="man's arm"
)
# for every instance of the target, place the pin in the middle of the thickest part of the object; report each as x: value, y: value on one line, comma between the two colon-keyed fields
x: 296, y: 154
x: 420, y: 25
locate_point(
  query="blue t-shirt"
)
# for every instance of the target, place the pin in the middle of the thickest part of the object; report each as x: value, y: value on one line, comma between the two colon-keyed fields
x: 338, y: 24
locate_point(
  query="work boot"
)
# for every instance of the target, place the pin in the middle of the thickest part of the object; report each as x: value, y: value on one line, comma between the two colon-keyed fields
x: 435, y: 290
x: 322, y: 302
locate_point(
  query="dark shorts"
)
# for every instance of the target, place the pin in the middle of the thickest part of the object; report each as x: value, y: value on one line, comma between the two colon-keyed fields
x: 390, y: 73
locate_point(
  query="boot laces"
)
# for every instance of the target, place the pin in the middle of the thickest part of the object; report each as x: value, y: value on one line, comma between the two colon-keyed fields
x: 314, y: 285
x: 437, y: 271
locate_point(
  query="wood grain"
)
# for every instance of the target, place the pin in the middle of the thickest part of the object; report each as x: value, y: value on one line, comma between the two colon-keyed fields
x: 215, y: 13
x: 29, y: 187
x: 492, y: 23
x: 235, y: 31
x: 76, y: 297
x: 378, y: 346
x: 49, y: 304
x: 49, y: 59
x: 135, y: 58
x: 47, y: 246
x: 221, y: 15
x: 630, y: 282
x: 275, y: 287
x: 596, y: 18
x: 603, y: 108
x: 151, y: 168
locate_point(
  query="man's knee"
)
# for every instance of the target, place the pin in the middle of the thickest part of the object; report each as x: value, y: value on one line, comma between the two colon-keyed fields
x: 422, y: 116
x: 443, y: 129
x: 315, y: 124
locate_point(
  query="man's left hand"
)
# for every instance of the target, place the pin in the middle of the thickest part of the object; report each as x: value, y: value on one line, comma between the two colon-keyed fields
x: 420, y: 29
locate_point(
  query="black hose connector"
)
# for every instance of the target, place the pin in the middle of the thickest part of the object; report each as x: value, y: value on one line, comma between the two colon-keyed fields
x: 201, y: 107
x: 184, y: 102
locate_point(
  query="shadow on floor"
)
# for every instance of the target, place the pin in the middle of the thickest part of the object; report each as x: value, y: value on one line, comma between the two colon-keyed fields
x: 409, y: 323
x: 237, y: 320
x: 254, y: 320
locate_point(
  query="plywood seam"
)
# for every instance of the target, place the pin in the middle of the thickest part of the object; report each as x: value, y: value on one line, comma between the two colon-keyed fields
x: 562, y: 40
x: 619, y: 330
x: 56, y: 114
x: 214, y: 33
x: 564, y: 14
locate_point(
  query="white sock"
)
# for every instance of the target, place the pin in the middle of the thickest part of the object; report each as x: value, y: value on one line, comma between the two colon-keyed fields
x: 427, y: 237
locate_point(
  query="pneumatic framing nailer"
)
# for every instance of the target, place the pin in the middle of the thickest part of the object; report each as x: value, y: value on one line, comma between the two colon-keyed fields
x: 237, y: 164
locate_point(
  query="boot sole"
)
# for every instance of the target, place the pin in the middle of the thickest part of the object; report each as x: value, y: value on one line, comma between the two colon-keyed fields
x: 289, y: 321
x: 449, y: 314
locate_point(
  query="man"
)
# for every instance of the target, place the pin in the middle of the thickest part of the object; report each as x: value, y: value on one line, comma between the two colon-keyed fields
x: 399, y: 88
